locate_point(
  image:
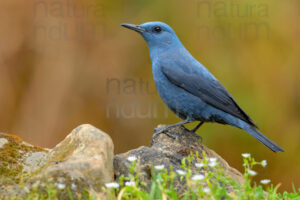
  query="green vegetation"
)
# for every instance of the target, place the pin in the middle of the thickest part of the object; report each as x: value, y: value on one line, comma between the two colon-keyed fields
x: 52, y: 193
x: 210, y: 182
x: 213, y: 184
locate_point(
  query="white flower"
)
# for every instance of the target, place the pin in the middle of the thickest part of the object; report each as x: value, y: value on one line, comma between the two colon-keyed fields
x: 73, y: 186
x: 213, y: 159
x: 180, y: 172
x: 61, y: 186
x: 206, y: 190
x: 198, y: 177
x: 246, y: 155
x: 130, y: 183
x: 159, y: 167
x: 265, y: 181
x: 199, y: 165
x: 131, y: 158
x: 212, y: 164
x: 251, y: 172
x: 112, y: 185
x: 264, y: 163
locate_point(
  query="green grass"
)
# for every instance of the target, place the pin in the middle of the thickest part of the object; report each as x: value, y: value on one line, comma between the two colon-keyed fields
x: 206, y: 183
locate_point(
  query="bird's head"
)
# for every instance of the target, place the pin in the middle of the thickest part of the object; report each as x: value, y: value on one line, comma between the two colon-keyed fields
x: 156, y: 34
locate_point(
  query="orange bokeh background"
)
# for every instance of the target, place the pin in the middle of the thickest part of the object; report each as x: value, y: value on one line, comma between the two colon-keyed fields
x: 68, y: 62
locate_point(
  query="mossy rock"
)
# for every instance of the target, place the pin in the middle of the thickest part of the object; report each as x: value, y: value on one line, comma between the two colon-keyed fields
x: 83, y: 161
x: 18, y: 159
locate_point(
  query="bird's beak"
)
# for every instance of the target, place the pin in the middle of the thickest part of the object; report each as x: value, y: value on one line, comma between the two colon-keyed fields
x: 136, y: 28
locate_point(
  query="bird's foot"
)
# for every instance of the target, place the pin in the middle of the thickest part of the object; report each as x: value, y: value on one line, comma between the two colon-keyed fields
x: 192, y: 131
x: 157, y: 130
x: 164, y: 130
x: 197, y: 136
x: 185, y: 128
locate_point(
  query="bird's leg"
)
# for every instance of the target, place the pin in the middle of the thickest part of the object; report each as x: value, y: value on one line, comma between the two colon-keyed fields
x: 193, y: 131
x: 197, y: 127
x: 159, y: 131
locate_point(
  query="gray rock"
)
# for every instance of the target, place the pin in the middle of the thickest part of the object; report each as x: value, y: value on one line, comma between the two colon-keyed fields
x: 82, y: 161
x: 168, y: 151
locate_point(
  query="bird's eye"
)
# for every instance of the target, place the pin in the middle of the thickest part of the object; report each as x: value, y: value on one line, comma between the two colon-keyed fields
x: 157, y: 29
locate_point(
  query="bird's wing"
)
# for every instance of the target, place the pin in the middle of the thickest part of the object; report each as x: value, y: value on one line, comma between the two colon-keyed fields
x: 208, y: 89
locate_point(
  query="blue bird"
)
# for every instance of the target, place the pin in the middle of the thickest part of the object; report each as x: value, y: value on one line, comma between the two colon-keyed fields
x: 188, y: 88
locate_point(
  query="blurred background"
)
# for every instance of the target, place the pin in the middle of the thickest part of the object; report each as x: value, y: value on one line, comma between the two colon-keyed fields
x: 68, y: 62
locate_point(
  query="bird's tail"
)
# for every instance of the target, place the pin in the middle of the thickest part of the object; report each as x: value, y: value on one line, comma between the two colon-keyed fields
x: 263, y: 139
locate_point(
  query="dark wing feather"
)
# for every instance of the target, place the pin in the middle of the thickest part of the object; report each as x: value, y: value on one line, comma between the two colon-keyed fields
x: 208, y: 89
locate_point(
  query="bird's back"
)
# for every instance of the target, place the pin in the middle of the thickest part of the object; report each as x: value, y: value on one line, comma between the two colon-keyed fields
x: 180, y: 78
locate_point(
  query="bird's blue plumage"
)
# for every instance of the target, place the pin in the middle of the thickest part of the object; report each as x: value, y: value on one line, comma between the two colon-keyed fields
x: 187, y: 87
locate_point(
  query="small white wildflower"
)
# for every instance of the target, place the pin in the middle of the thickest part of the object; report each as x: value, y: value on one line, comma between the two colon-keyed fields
x: 36, y: 184
x: 73, y: 186
x: 265, y: 181
x: 264, y: 163
x: 132, y: 158
x: 206, y: 190
x: 199, y: 165
x: 61, y: 186
x: 198, y: 177
x: 212, y: 164
x: 180, y: 172
x: 130, y: 183
x: 251, y: 172
x: 112, y: 185
x: 246, y: 155
x: 213, y: 159
x: 159, y: 167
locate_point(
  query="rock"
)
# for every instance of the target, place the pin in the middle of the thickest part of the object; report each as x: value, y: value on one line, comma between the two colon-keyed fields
x: 168, y: 151
x: 83, y: 161
x: 14, y: 160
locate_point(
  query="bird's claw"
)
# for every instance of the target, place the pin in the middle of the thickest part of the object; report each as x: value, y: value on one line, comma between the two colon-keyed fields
x: 193, y: 133
x: 200, y: 138
x: 158, y: 131
x: 185, y: 128
x: 197, y: 136
x: 171, y: 135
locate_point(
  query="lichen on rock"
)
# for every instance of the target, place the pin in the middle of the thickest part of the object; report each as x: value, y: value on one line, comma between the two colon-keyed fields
x: 13, y: 159
x: 81, y: 162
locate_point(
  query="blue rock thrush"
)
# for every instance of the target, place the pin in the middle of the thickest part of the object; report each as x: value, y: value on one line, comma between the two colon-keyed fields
x: 188, y: 88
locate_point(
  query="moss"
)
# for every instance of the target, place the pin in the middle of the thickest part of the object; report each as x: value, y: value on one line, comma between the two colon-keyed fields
x: 12, y: 155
